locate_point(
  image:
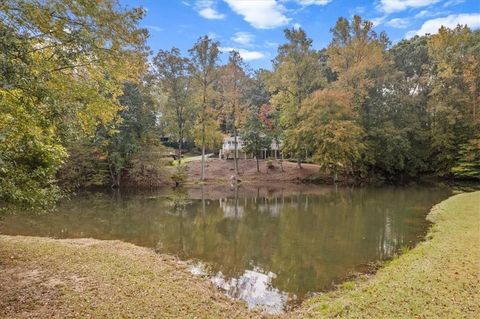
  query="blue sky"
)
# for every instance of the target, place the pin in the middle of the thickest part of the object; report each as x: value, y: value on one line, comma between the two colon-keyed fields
x: 255, y: 27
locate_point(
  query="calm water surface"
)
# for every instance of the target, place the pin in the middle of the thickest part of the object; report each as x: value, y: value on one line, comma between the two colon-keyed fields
x: 269, y: 246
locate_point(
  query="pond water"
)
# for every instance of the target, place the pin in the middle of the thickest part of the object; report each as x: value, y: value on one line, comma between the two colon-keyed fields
x: 271, y: 246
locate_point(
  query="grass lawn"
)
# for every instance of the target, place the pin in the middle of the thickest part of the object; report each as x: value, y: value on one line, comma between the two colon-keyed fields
x: 85, y: 278
x: 439, y: 278
x: 189, y: 158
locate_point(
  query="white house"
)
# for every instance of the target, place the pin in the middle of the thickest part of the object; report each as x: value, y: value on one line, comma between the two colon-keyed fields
x: 228, y: 149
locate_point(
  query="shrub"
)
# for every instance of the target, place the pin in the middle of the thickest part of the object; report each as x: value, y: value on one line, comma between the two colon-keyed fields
x: 269, y: 164
x: 179, y: 176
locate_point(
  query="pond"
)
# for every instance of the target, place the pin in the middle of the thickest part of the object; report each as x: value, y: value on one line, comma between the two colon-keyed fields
x: 271, y: 246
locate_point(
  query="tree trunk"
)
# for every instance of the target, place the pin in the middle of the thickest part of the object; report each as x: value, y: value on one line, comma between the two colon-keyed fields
x: 202, y: 177
x: 204, y: 109
x: 475, y: 99
x: 114, y: 176
x: 258, y: 166
x: 299, y: 156
x: 299, y: 162
x: 235, y: 157
x: 180, y: 145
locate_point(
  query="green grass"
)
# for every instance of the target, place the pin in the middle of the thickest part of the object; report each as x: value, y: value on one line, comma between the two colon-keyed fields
x: 187, y: 159
x: 440, y: 278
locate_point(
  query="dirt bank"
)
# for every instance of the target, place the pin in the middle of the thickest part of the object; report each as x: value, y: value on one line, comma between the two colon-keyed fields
x: 217, y: 170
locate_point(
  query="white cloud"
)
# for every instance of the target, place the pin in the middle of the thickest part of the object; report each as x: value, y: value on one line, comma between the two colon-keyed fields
x: 297, y: 26
x: 472, y: 20
x: 422, y: 14
x: 398, y: 23
x: 154, y: 28
x: 213, y: 36
x: 210, y: 13
x: 243, y: 38
x: 429, y: 14
x: 246, y: 55
x: 206, y: 9
x: 379, y: 20
x: 390, y: 6
x: 315, y: 2
x: 264, y: 14
x: 453, y: 3
x: 271, y: 44
x: 357, y: 10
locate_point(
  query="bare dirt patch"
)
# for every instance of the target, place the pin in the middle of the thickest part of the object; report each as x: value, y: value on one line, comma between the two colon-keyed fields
x: 27, y: 292
x: 222, y: 170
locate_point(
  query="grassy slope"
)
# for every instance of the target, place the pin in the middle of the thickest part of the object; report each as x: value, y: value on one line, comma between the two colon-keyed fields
x: 41, y: 277
x: 188, y: 159
x: 440, y: 278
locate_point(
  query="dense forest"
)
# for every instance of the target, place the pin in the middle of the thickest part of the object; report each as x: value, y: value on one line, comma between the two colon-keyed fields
x: 83, y: 101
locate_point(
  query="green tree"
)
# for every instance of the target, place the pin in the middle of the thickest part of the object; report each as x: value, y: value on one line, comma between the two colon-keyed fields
x: 207, y: 133
x: 258, y: 98
x: 204, y: 57
x: 178, y: 111
x: 388, y: 90
x: 255, y: 134
x: 63, y: 67
x: 296, y: 74
x: 132, y: 146
x: 335, y: 136
x: 468, y: 162
x: 452, y: 102
x: 127, y: 149
x: 233, y: 81
x: 357, y: 55
x: 405, y: 116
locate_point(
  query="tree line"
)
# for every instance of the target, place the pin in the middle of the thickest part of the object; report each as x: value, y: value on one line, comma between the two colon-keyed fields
x: 81, y: 105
